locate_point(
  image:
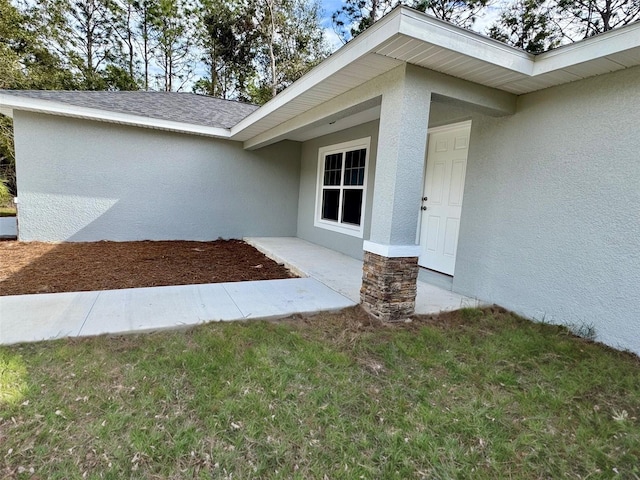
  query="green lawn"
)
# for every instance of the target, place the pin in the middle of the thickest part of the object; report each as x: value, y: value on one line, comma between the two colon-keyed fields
x: 477, y: 394
x: 7, y: 212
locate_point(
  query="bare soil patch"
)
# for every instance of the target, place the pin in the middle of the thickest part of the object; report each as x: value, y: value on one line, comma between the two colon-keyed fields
x: 74, y: 267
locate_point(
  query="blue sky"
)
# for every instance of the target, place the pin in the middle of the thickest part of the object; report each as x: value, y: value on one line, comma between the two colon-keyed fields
x: 330, y: 6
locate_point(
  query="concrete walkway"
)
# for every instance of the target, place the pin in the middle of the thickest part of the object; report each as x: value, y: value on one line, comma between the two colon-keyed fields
x: 28, y: 318
x: 331, y: 281
x: 344, y: 274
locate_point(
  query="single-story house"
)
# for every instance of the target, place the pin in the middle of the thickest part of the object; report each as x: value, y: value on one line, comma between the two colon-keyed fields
x: 416, y: 145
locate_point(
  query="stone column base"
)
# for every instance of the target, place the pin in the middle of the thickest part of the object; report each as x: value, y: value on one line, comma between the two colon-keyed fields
x: 389, y: 286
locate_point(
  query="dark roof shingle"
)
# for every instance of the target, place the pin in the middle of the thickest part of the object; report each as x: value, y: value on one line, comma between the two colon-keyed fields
x: 178, y: 107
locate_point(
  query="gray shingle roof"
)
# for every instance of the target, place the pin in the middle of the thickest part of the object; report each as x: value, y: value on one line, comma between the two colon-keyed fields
x: 179, y: 107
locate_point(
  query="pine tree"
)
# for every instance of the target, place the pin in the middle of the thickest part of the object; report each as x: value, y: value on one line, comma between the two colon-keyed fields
x: 585, y: 18
x: 290, y: 42
x: 227, y: 39
x: 171, y: 32
x: 459, y: 12
x: 526, y: 24
x: 355, y: 16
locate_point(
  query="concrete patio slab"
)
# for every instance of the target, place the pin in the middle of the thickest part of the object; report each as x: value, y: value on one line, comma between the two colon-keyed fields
x: 336, y: 270
x: 27, y: 318
x: 344, y: 274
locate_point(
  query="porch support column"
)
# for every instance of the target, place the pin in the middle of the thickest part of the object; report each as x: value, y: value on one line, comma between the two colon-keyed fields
x: 390, y: 268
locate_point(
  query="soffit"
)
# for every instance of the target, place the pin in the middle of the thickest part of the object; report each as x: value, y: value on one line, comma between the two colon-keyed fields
x: 431, y: 44
x: 347, y: 78
x: 406, y: 35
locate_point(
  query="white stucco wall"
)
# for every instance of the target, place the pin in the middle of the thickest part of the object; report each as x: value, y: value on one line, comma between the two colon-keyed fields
x: 550, y: 223
x: 83, y: 181
x: 440, y: 114
x: 340, y: 242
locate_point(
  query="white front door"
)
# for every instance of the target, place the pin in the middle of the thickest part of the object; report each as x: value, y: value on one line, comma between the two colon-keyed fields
x: 442, y: 198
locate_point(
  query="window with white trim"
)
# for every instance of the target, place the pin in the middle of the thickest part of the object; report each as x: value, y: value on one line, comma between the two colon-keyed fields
x: 341, y: 186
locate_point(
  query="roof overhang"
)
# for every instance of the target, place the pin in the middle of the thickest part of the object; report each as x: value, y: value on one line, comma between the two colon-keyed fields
x: 405, y: 35
x: 439, y: 46
x: 402, y: 36
x: 9, y: 103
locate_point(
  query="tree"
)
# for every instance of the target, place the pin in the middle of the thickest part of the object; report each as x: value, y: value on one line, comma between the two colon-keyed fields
x: 526, y: 24
x: 25, y: 59
x: 7, y: 158
x: 290, y: 42
x: 171, y: 33
x: 81, y: 33
x: 12, y: 40
x: 25, y: 63
x: 89, y: 40
x: 227, y: 39
x: 144, y: 10
x: 355, y: 16
x: 459, y: 12
x: 124, y: 27
x: 585, y: 18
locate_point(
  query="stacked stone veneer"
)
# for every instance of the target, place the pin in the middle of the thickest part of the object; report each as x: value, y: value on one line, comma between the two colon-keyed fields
x: 389, y: 286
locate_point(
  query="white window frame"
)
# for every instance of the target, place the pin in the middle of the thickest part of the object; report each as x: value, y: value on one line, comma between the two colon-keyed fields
x: 338, y: 226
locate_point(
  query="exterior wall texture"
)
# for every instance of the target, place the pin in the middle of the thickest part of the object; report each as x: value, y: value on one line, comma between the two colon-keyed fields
x: 83, y: 181
x: 352, y: 246
x: 340, y: 242
x: 550, y: 223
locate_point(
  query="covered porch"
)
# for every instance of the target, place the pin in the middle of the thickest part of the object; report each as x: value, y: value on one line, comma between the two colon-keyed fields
x: 363, y: 120
x: 343, y: 273
x: 367, y: 192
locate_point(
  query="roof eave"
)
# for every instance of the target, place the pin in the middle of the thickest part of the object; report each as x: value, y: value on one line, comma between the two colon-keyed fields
x: 520, y: 71
x: 442, y: 34
x: 9, y: 102
x: 593, y: 48
x: 356, y: 48
x: 402, y: 21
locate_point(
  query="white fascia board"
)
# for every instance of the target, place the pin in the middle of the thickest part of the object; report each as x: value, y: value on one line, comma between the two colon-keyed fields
x: 405, y: 21
x: 442, y: 34
x: 6, y: 111
x: 56, y: 108
x: 419, y: 26
x: 608, y: 43
x: 355, y: 49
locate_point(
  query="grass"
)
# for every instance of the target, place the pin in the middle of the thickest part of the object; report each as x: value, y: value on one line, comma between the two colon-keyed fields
x: 7, y: 211
x: 474, y: 394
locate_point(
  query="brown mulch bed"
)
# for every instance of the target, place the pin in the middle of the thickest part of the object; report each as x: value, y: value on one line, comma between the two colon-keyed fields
x: 74, y: 267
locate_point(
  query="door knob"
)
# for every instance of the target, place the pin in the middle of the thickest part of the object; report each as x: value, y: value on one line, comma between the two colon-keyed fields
x: 423, y: 208
x: 424, y: 199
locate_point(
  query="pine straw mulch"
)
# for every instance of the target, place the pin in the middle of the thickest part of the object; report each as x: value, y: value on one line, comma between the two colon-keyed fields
x: 36, y: 267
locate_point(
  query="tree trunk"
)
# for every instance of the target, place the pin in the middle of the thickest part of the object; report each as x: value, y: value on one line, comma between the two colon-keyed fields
x: 272, y: 56
x: 130, y: 42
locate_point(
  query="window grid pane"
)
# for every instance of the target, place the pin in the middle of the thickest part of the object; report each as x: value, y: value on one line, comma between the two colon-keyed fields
x: 330, y: 203
x: 354, y: 167
x: 352, y: 206
x: 333, y: 169
x: 342, y: 189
